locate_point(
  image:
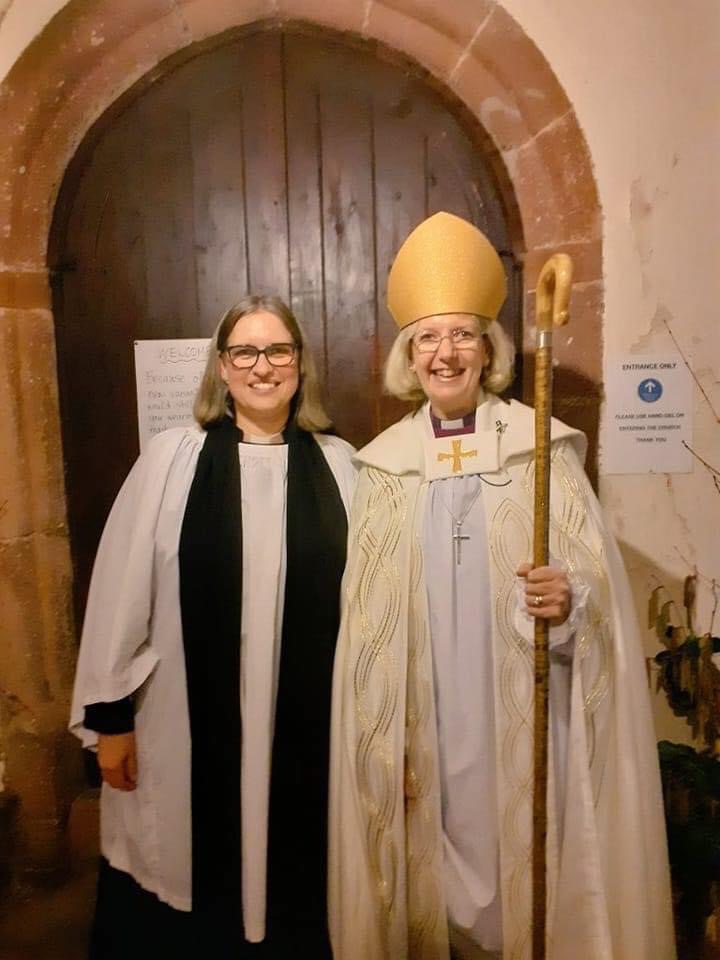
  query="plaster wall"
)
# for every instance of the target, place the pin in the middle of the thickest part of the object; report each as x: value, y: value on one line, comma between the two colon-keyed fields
x: 642, y: 77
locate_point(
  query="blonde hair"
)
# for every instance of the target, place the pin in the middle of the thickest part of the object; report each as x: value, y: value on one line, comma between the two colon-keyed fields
x: 213, y: 401
x: 402, y: 382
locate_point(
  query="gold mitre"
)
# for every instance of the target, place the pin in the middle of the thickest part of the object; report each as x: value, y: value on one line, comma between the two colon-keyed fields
x: 446, y: 265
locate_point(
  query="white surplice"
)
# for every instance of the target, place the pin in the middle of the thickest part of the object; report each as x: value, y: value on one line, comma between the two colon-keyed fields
x: 263, y: 480
x: 460, y: 631
x: 132, y: 645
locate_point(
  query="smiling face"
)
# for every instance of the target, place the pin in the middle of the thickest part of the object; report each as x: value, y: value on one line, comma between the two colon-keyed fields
x: 450, y: 374
x: 262, y: 394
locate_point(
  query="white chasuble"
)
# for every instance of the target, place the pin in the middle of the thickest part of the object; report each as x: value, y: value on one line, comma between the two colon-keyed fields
x: 457, y: 573
x: 263, y: 480
x: 420, y: 849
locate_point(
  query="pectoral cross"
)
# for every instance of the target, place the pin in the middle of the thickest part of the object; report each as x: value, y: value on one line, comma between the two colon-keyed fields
x: 457, y: 455
x: 458, y: 537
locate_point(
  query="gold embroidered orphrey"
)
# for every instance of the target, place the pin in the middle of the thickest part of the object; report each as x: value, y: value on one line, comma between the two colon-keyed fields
x: 456, y: 456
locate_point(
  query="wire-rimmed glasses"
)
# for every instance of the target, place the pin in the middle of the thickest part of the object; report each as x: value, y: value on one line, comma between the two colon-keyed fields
x: 428, y: 341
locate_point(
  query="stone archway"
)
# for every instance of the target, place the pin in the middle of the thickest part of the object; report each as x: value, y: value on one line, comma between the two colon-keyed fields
x: 73, y: 72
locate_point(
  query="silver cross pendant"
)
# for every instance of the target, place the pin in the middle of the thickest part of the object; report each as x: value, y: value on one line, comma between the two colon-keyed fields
x: 458, y: 538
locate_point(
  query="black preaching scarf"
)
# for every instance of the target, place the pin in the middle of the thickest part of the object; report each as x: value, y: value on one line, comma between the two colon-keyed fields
x: 210, y: 562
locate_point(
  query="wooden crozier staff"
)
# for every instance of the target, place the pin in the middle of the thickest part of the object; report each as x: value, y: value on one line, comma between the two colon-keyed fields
x: 552, y: 298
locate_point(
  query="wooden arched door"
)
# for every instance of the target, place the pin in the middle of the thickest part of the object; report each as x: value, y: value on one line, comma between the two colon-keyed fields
x: 279, y: 162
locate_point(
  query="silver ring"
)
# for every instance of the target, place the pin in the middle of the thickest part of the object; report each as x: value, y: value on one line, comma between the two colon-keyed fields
x: 538, y: 600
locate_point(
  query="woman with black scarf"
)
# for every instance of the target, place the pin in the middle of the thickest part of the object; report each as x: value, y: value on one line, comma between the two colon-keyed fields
x: 206, y: 661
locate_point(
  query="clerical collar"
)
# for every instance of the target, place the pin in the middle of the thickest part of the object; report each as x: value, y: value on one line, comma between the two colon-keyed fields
x: 453, y: 428
x: 459, y: 451
x: 252, y: 438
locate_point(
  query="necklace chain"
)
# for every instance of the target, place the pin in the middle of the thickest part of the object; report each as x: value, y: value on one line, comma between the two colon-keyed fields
x: 458, y: 536
x: 459, y: 521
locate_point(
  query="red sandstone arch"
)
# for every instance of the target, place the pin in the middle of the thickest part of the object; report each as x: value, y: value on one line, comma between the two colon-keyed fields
x: 72, y: 73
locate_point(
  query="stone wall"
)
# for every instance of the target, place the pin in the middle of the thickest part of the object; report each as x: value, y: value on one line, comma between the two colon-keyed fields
x: 78, y: 65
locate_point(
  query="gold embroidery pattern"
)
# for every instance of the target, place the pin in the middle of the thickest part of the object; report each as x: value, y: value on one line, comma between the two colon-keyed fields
x: 514, y: 673
x: 375, y: 678
x: 572, y: 544
x: 426, y: 928
x: 457, y: 455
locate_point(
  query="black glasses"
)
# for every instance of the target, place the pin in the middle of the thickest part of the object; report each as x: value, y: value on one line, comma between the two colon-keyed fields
x: 244, y: 356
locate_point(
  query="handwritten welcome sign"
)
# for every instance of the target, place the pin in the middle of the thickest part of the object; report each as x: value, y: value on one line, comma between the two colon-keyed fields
x: 167, y: 377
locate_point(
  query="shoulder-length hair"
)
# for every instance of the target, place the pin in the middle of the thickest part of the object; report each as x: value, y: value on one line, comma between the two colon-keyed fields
x: 213, y: 400
x: 402, y: 382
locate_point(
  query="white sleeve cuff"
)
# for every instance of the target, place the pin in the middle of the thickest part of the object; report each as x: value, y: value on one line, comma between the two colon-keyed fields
x: 561, y: 637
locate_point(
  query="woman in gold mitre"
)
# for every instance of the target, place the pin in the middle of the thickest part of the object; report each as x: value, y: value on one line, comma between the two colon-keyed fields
x: 432, y: 740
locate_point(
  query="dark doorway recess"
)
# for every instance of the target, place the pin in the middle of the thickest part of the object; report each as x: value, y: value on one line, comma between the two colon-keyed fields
x: 278, y: 161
